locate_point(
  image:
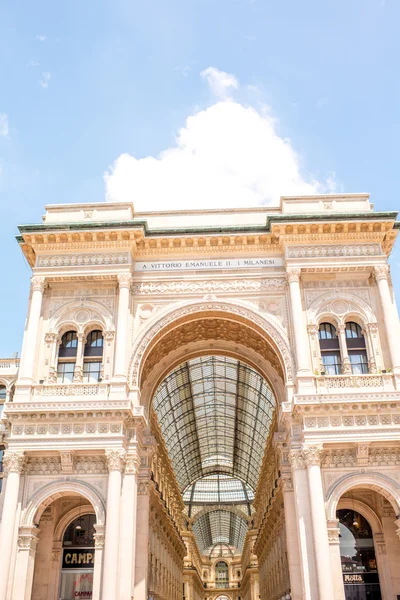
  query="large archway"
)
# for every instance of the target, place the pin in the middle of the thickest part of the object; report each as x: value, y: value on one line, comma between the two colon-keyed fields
x: 211, y: 379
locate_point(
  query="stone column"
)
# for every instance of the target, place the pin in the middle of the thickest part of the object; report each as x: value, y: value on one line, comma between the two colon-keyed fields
x: 383, y: 564
x: 312, y: 456
x: 302, y: 348
x: 52, y: 341
x: 344, y: 353
x: 142, y: 540
x: 292, y: 541
x: 54, y: 571
x: 78, y: 372
x: 116, y: 461
x: 125, y: 281
x: 128, y: 529
x: 304, y: 526
x: 335, y: 559
x: 23, y: 576
x: 390, y: 316
x: 98, y: 560
x: 370, y: 348
x: 32, y: 328
x: 13, y: 464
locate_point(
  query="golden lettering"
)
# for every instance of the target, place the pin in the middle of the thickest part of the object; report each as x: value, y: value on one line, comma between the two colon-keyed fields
x: 68, y: 559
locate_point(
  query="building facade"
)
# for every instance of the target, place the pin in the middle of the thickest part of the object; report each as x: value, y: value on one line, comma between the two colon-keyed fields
x: 207, y: 406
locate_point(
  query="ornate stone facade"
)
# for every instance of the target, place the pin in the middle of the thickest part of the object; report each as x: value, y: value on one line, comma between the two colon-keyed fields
x: 265, y: 288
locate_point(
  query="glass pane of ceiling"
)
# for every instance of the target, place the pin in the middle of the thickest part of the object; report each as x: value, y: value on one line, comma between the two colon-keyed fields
x: 218, y: 489
x: 220, y: 527
x: 214, y: 413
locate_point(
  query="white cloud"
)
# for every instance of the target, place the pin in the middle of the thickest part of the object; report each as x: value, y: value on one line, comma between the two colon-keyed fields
x: 227, y: 155
x: 3, y: 125
x: 44, y: 81
x: 220, y: 83
x: 33, y: 63
x: 41, y: 38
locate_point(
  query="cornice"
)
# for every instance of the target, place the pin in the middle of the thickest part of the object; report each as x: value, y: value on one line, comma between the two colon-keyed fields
x: 141, y: 241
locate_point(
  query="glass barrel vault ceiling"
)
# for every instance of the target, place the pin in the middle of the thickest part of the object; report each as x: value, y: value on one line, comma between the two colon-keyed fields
x: 214, y: 413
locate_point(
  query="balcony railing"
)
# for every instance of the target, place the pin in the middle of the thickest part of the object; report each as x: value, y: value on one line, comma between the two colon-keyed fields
x: 52, y: 390
x: 355, y: 382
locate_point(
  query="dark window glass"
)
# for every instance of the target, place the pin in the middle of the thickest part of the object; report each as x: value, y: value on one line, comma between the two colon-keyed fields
x: 356, y: 349
x: 91, y: 371
x: 80, y: 532
x: 69, y: 345
x: 358, y: 361
x: 332, y: 363
x: 69, y: 340
x: 327, y: 332
x: 94, y: 344
x: 1, y: 459
x: 65, y: 372
x: 330, y: 350
x: 2, y: 392
x: 353, y: 330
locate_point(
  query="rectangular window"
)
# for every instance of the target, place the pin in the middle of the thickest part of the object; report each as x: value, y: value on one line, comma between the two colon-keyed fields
x: 65, y: 372
x: 91, y: 371
x: 332, y: 363
x: 359, y: 362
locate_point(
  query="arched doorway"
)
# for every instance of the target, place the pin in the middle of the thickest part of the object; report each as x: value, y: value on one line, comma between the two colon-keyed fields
x: 358, y: 557
x: 77, y: 564
x: 67, y: 517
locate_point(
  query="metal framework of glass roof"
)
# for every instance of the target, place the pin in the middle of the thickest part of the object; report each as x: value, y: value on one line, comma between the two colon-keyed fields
x: 220, y: 527
x: 215, y: 413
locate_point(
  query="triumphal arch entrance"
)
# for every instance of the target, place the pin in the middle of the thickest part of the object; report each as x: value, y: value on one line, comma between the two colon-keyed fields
x: 207, y: 406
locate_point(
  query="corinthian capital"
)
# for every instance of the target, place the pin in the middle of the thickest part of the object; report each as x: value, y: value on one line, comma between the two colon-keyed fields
x: 124, y: 280
x: 132, y: 465
x: 115, y: 460
x: 293, y: 275
x: 13, y: 462
x: 312, y: 455
x: 38, y: 283
x: 296, y: 459
x: 381, y: 272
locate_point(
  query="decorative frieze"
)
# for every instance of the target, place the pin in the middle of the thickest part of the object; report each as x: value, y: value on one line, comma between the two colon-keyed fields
x: 333, y: 250
x: 224, y: 286
x: 69, y: 390
x: 83, y: 260
x: 351, y: 421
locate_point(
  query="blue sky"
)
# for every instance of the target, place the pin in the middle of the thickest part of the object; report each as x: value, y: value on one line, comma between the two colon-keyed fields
x: 107, y: 86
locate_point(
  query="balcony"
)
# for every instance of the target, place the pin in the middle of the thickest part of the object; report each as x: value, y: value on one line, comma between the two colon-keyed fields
x: 379, y: 382
x: 9, y: 366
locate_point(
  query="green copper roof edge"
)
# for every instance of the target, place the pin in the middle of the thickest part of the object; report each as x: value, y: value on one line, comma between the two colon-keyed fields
x: 43, y: 227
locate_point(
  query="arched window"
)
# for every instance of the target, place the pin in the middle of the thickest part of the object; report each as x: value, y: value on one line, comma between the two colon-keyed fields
x: 357, y: 552
x: 78, y: 558
x: 330, y: 349
x: 67, y: 357
x: 3, y: 396
x: 356, y: 348
x: 93, y: 356
x: 221, y: 574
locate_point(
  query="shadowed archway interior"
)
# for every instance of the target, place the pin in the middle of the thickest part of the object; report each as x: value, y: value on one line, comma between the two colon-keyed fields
x: 215, y: 413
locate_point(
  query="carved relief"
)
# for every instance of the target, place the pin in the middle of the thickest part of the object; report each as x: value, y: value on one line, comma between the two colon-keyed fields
x: 13, y: 462
x: 325, y: 251
x: 83, y: 260
x: 115, y: 459
x: 235, y: 286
